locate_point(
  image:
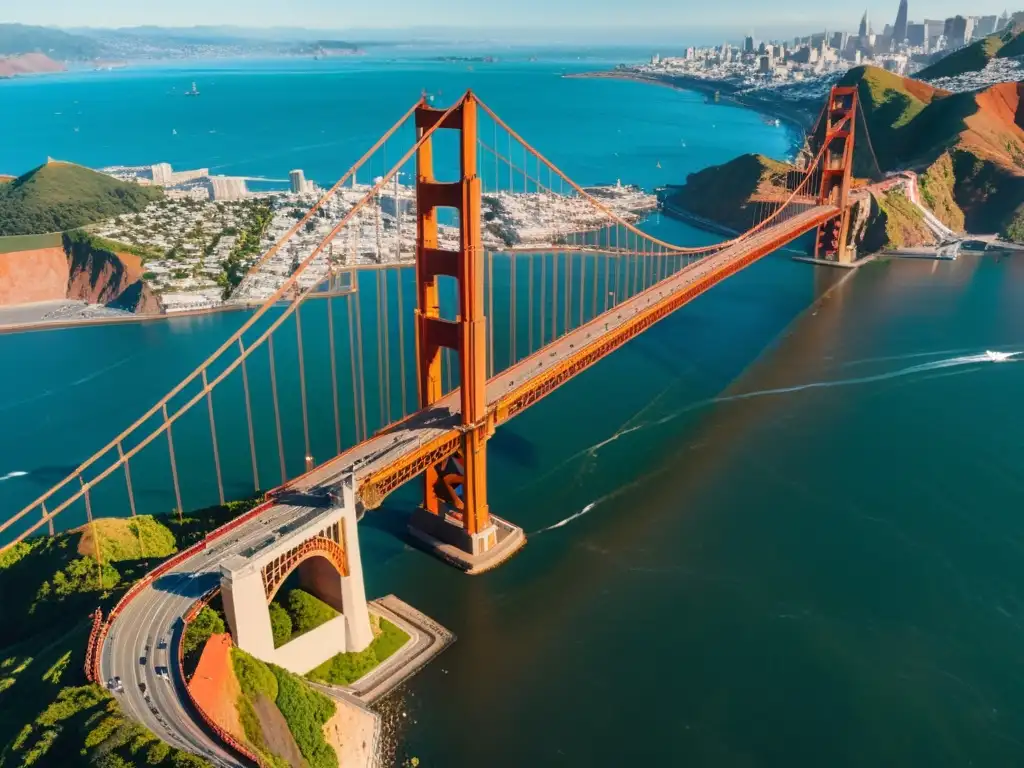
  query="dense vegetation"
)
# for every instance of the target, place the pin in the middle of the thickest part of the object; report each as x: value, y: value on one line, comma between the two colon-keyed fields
x: 304, y: 710
x: 49, y: 715
x: 1006, y: 43
x: 346, y: 668
x: 59, y: 196
x: 294, y: 612
x: 247, y: 247
x: 206, y: 623
x: 722, y: 193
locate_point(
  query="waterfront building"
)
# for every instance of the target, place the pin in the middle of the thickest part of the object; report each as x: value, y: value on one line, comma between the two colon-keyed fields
x: 899, y: 29
x: 161, y: 173
x: 226, y: 188
x: 298, y: 182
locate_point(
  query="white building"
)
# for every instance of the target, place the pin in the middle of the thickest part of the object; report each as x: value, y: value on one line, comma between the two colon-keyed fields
x: 227, y: 188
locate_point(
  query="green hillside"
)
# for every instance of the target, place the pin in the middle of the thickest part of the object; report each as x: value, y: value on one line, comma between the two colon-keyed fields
x: 722, y: 193
x: 972, y: 58
x: 60, y: 196
x: 22, y: 38
x: 890, y: 104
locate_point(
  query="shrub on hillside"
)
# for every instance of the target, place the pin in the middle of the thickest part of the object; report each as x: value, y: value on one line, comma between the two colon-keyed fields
x: 307, y: 612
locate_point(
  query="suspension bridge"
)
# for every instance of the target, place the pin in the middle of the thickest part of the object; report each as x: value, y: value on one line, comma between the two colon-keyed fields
x: 471, y: 326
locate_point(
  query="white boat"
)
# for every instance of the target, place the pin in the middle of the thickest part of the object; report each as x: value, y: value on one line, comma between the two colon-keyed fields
x: 999, y: 357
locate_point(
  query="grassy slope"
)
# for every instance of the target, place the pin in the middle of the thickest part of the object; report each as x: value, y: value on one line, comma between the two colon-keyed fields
x: 304, y: 710
x: 346, y: 668
x: 49, y: 715
x: 890, y: 104
x: 59, y: 196
x: 973, y: 58
x: 722, y: 192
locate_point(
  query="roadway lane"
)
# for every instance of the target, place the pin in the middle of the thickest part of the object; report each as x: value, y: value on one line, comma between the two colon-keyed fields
x: 443, y: 418
x: 157, y: 613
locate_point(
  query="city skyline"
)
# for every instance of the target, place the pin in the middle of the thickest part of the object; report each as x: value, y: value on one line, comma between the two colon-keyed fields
x: 573, y: 18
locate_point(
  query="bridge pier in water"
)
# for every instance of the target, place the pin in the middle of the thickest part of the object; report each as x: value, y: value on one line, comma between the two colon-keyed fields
x: 455, y: 519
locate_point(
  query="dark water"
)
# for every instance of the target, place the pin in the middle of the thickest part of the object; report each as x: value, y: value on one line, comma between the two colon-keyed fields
x: 826, y: 576
x: 802, y: 538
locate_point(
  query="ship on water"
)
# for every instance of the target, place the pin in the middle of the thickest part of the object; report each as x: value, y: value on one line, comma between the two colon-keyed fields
x: 193, y: 92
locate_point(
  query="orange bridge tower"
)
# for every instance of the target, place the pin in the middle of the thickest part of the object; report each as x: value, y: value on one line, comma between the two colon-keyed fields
x: 455, y: 517
x: 833, y: 240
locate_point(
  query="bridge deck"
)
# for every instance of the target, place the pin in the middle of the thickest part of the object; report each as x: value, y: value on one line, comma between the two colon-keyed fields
x: 399, y: 453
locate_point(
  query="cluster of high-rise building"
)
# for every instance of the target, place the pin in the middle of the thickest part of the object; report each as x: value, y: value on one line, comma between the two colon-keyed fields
x: 925, y: 36
x: 902, y: 47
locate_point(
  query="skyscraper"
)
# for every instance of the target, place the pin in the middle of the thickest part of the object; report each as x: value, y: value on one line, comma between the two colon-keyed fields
x: 865, y: 26
x: 899, y: 29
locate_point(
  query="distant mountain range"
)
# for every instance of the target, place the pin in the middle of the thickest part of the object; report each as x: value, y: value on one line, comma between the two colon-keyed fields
x: 86, y: 44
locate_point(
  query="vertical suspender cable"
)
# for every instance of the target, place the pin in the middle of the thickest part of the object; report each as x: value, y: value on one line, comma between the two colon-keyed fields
x: 490, y: 310
x: 352, y: 364
x: 380, y: 350
x: 512, y: 306
x: 543, y: 284
x: 334, y: 375
x: 362, y: 367
x: 127, y: 478
x: 302, y: 388
x: 529, y: 303
x: 277, y: 409
x: 248, y: 417
x: 213, y: 437
x: 401, y: 339
x: 174, y: 464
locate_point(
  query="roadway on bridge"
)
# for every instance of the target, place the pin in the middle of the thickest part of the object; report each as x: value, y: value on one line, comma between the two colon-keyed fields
x: 157, y: 612
x: 442, y: 420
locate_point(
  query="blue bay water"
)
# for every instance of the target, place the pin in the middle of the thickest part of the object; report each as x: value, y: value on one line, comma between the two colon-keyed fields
x: 780, y: 528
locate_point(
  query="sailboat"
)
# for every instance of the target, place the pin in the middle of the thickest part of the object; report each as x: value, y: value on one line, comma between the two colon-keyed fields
x: 658, y: 165
x: 193, y: 92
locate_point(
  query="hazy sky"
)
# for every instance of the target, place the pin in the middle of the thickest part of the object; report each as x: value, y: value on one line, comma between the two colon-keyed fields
x: 738, y: 15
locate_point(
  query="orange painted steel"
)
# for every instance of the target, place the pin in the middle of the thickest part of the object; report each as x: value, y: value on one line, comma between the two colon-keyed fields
x: 275, y: 572
x: 836, y: 172
x: 467, y: 335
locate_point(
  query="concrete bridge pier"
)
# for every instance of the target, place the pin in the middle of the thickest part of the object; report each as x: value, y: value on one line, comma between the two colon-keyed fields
x: 322, y: 545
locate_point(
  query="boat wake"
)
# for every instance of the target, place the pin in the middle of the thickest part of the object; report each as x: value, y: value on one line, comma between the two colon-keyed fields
x: 952, y: 362
x: 12, y: 475
x: 570, y: 518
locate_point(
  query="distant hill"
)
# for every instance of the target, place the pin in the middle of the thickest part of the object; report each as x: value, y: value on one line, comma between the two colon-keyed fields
x: 1004, y: 44
x: 59, y: 196
x: 28, y: 63
x: 19, y: 38
x: 727, y: 194
x: 969, y: 147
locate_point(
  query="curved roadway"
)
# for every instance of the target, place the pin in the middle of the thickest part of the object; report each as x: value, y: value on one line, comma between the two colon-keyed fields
x: 156, y: 613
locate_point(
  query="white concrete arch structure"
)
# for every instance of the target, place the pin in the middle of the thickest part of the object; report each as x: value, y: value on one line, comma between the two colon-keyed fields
x: 322, y: 545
